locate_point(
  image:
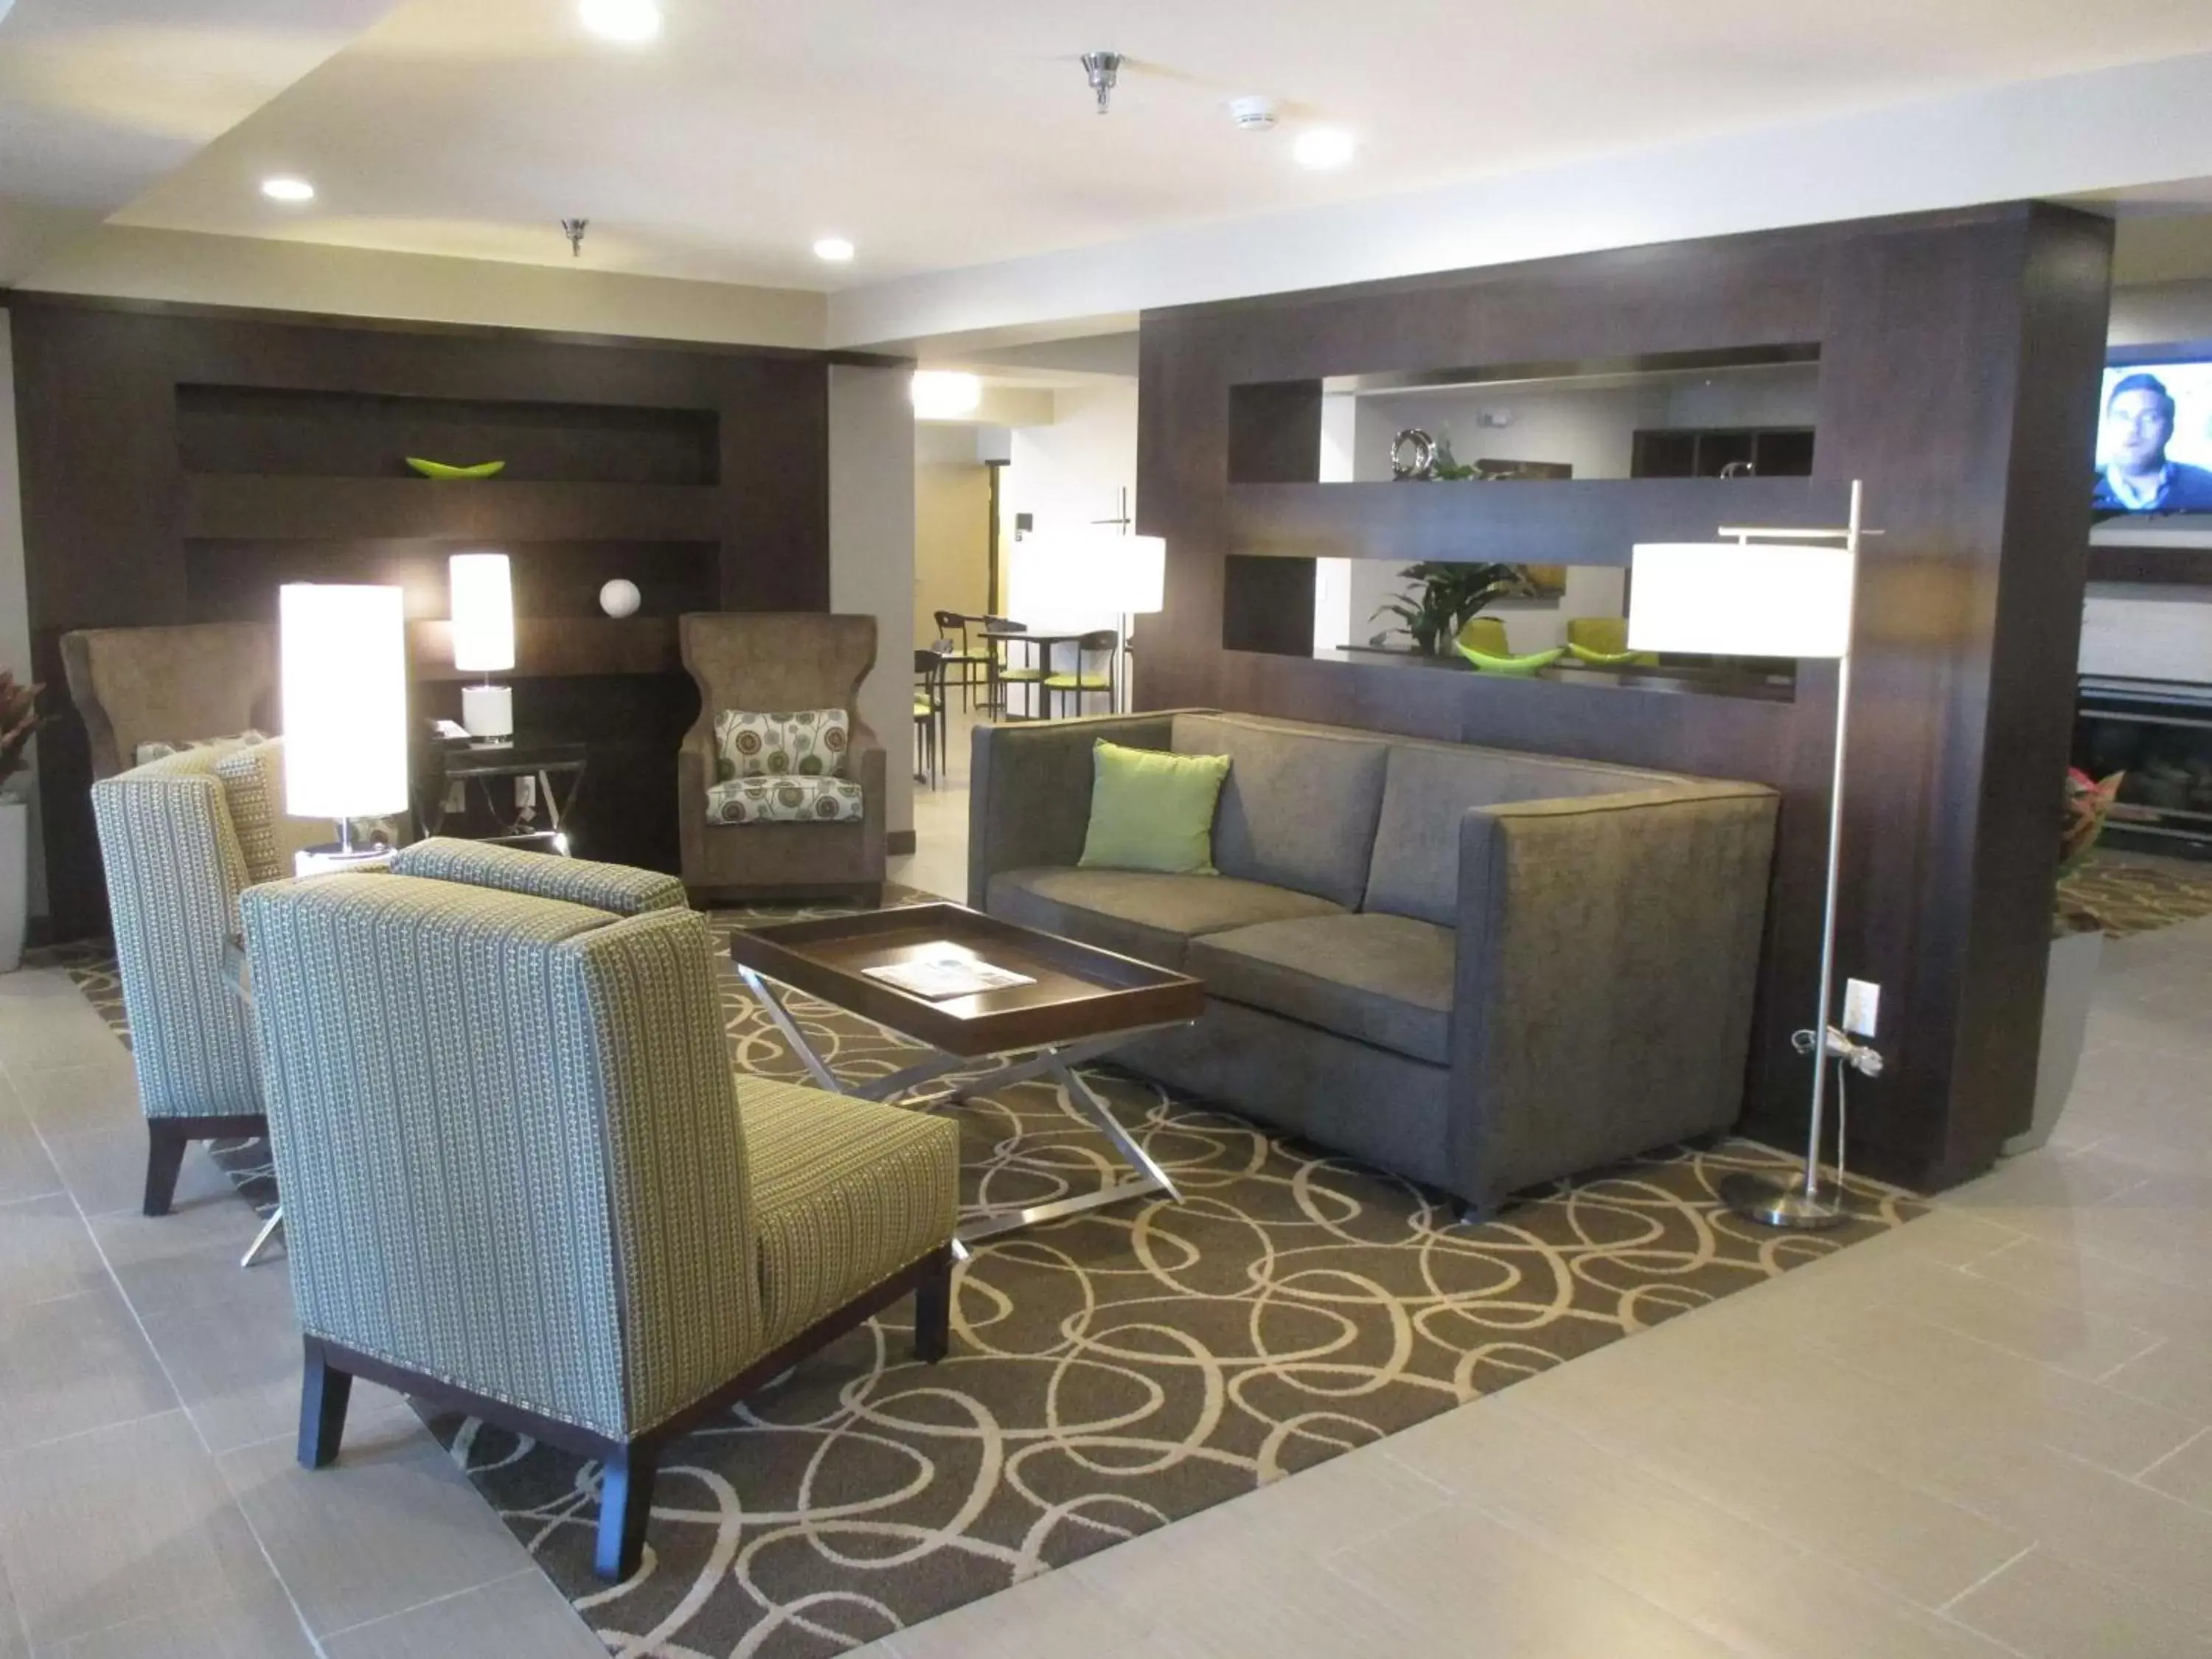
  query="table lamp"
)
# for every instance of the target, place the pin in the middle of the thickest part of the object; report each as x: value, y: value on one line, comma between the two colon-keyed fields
x: 344, y: 680
x: 1771, y: 593
x: 483, y: 640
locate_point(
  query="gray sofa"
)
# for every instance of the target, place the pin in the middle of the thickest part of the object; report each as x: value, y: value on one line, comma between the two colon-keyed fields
x: 1480, y: 969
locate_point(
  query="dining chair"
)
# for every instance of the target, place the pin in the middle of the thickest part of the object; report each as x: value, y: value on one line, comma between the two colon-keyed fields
x: 1081, y: 683
x: 931, y: 694
x: 974, y: 665
x: 1004, y: 672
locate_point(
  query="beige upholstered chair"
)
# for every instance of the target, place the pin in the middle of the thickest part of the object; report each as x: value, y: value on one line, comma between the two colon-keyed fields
x: 520, y: 1180
x: 174, y: 685
x: 767, y: 662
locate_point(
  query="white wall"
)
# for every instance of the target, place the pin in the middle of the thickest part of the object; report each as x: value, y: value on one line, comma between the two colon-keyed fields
x: 871, y: 552
x: 14, y: 601
x: 2136, y: 124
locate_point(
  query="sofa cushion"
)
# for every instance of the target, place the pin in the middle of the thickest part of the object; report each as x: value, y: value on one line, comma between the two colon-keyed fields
x: 1141, y: 913
x: 1430, y: 787
x: 1299, y: 807
x: 1378, y: 979
x: 785, y: 801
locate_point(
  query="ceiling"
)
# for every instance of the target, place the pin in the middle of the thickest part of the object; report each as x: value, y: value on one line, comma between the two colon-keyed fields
x: 935, y: 134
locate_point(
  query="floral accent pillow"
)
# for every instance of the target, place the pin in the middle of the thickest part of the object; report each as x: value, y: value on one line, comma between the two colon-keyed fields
x: 806, y: 743
x: 785, y: 800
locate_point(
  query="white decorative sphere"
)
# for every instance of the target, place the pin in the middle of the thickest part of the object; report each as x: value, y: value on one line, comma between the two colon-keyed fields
x: 619, y: 598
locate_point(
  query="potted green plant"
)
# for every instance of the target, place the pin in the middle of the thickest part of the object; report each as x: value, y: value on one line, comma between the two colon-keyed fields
x: 1449, y: 597
x: 19, y: 719
x: 2077, y: 950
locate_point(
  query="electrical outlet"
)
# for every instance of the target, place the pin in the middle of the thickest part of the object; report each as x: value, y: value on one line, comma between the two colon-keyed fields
x: 1862, y: 1007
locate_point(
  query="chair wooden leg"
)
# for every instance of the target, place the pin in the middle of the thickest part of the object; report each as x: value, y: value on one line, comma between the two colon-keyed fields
x: 165, y: 1155
x: 324, y: 1394
x: 625, y: 1507
x: 933, y: 1312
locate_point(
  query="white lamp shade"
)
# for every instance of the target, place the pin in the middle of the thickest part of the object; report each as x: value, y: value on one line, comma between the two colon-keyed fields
x: 483, y: 613
x: 1742, y: 599
x: 344, y: 653
x: 1085, y: 579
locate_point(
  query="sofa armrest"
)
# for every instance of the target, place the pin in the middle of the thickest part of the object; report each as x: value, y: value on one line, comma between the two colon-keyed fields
x: 868, y: 762
x: 1028, y: 798
x: 1608, y: 955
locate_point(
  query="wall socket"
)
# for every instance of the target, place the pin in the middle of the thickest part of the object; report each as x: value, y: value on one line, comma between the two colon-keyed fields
x: 1862, y: 1007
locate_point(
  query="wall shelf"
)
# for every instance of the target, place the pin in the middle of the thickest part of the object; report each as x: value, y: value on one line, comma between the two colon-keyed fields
x: 555, y: 647
x: 1564, y: 521
x: 274, y: 507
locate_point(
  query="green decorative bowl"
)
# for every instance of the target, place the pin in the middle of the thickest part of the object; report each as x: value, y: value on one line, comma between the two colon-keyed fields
x: 440, y: 470
x: 1615, y: 659
x: 1524, y: 668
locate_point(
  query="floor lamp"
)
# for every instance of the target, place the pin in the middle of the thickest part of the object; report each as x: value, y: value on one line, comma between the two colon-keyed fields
x: 1131, y: 579
x: 1771, y: 593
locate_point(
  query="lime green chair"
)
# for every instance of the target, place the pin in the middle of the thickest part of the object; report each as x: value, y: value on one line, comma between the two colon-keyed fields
x: 1526, y: 668
x: 1485, y: 635
x: 1060, y: 690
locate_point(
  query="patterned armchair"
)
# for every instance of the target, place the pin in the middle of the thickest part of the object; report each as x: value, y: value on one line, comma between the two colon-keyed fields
x: 180, y: 838
x: 520, y: 1180
x: 779, y: 662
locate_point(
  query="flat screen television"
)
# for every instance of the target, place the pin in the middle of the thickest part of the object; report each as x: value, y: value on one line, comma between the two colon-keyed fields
x: 2155, y: 438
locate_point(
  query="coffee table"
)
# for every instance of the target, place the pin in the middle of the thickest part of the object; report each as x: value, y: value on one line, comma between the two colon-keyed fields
x: 1079, y: 1002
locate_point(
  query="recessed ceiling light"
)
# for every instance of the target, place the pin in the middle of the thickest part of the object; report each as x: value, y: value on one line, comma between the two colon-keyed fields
x: 836, y: 249
x: 287, y: 190
x: 1324, y: 147
x: 943, y: 395
x: 627, y: 20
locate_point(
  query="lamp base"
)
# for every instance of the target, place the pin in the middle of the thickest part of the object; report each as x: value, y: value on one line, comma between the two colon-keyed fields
x: 488, y: 713
x: 1786, y: 1204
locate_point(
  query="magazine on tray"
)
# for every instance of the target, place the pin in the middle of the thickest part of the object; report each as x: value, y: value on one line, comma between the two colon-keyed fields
x: 947, y: 972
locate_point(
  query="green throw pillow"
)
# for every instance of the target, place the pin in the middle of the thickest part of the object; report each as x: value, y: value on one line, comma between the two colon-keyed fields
x: 1151, y: 811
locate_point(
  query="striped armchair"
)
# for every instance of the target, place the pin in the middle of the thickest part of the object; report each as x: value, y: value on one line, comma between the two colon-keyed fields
x: 180, y: 838
x: 521, y: 1180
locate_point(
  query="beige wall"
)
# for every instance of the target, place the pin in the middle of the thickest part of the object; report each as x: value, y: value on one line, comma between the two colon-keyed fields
x: 952, y: 550
x: 871, y: 550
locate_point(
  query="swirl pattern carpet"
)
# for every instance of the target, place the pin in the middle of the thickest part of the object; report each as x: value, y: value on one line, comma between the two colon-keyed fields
x: 1116, y: 1371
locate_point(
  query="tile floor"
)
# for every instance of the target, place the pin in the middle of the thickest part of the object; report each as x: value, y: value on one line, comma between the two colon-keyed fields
x: 1988, y: 1433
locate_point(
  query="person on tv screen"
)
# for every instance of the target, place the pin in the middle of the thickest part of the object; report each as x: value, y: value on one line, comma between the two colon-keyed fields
x: 2137, y: 478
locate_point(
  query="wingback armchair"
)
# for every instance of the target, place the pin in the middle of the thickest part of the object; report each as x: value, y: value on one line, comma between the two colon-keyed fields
x: 138, y: 685
x: 769, y: 662
x: 520, y: 1180
x: 180, y: 838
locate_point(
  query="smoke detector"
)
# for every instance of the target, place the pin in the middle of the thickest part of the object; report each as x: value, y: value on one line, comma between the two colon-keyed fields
x: 1101, y: 68
x: 1253, y: 114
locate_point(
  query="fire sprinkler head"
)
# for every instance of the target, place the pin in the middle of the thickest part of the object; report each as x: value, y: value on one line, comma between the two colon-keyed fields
x: 1101, y: 68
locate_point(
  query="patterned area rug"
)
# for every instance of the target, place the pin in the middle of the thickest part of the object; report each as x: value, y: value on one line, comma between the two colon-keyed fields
x: 2126, y: 893
x: 1116, y: 1371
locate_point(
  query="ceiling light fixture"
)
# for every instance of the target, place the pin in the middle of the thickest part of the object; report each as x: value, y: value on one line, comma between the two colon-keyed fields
x: 630, y: 21
x: 287, y: 190
x: 1102, y: 69
x: 943, y: 395
x: 1253, y: 114
x: 836, y: 249
x: 1324, y: 147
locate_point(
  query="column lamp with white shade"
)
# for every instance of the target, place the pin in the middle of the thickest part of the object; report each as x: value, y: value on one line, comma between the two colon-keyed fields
x: 483, y: 640
x: 1773, y: 594
x: 1082, y: 579
x: 343, y: 671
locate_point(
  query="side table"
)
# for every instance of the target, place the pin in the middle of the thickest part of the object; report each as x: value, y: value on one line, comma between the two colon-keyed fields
x: 550, y: 775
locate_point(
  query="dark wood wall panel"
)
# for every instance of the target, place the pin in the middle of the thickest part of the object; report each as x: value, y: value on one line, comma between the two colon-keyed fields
x: 1958, y: 356
x: 178, y: 466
